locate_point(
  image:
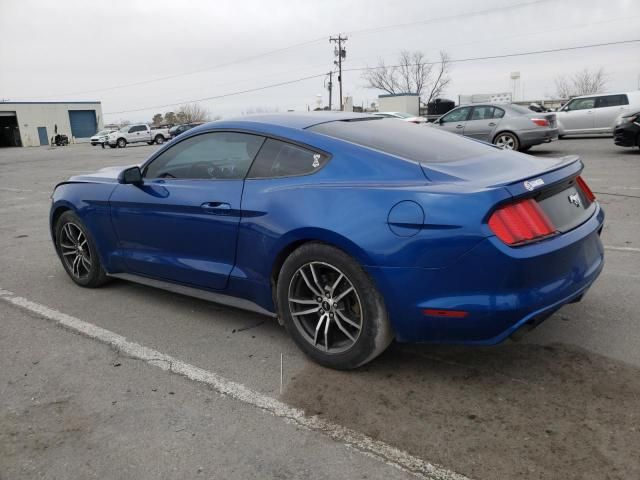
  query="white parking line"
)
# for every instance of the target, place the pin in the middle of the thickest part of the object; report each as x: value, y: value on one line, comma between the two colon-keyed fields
x: 363, y: 443
x: 622, y: 249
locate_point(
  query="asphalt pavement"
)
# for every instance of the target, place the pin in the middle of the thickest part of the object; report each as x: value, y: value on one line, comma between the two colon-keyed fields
x: 562, y: 403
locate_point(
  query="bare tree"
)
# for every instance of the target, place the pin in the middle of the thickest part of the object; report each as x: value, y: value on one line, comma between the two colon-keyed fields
x: 192, y: 112
x: 584, y: 82
x: 157, y: 119
x: 170, y: 117
x: 413, y: 74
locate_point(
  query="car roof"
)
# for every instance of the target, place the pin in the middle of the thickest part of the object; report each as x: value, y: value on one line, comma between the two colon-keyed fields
x: 299, y: 120
x: 605, y: 94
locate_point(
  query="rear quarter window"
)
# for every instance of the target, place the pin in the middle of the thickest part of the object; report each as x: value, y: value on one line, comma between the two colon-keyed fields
x: 419, y: 143
x: 282, y: 159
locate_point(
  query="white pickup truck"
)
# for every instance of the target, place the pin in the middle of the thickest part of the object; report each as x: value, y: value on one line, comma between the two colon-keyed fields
x: 137, y: 133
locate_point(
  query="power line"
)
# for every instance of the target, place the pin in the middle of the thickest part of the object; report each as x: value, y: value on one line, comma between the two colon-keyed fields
x: 492, y: 57
x: 184, y: 74
x: 264, y: 87
x: 290, y: 47
x: 507, y: 55
x: 448, y: 17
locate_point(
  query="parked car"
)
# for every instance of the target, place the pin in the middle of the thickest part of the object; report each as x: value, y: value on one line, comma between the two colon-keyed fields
x: 160, y: 133
x: 595, y: 113
x: 407, y: 117
x: 352, y: 233
x: 507, y: 126
x: 178, y: 129
x: 101, y: 137
x: 137, y: 133
x: 627, y: 130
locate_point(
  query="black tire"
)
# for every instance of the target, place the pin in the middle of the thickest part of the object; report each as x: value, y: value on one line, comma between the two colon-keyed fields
x: 89, y: 277
x: 112, y: 146
x: 507, y: 140
x: 149, y: 143
x: 374, y: 334
x: 121, y: 143
x: 159, y: 139
x: 560, y: 137
x: 525, y: 149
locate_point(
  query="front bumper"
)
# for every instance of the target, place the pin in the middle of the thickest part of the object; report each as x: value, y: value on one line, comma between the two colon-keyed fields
x: 626, y: 135
x: 502, y: 288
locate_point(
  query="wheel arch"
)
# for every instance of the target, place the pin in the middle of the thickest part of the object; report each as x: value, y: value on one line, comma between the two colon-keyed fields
x: 506, y: 130
x: 295, y: 240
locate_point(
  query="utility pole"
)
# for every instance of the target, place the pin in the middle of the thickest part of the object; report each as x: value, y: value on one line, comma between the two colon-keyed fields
x: 330, y: 87
x: 341, y: 53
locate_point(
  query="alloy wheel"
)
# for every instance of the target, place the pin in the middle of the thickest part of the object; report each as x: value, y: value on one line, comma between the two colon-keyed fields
x: 74, y: 249
x: 325, y: 307
x: 506, y: 142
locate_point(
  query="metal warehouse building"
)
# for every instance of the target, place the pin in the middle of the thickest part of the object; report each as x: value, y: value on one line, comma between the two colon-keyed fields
x: 30, y: 124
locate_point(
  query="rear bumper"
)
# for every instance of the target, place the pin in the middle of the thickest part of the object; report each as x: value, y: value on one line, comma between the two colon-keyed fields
x: 537, y: 136
x: 501, y: 288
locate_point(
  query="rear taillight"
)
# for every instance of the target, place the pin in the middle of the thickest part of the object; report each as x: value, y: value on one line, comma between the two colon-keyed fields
x: 585, y: 189
x: 541, y: 122
x: 521, y: 222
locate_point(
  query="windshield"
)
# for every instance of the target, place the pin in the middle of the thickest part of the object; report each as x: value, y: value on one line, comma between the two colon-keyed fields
x: 402, y: 115
x: 125, y: 128
x: 103, y: 132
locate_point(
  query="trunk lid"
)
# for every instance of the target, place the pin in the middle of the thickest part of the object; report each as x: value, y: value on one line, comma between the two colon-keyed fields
x: 500, y: 168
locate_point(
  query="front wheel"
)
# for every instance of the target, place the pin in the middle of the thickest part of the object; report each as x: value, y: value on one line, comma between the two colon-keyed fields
x: 77, y: 251
x: 121, y: 143
x: 506, y: 141
x: 331, y: 308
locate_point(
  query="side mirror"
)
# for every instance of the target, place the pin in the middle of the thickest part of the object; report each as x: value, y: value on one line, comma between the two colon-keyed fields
x: 131, y: 175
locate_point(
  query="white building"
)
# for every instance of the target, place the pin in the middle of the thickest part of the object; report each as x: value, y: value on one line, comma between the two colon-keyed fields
x: 30, y: 124
x: 400, y: 102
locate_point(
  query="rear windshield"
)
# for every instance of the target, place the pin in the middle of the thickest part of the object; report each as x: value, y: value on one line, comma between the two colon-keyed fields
x: 519, y: 108
x: 420, y: 143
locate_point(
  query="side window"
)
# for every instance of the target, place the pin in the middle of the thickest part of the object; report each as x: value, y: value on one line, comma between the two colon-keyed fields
x: 498, y: 112
x: 137, y: 128
x: 612, y: 101
x: 581, y: 104
x: 458, y: 115
x: 483, y: 112
x: 215, y: 155
x: 280, y: 159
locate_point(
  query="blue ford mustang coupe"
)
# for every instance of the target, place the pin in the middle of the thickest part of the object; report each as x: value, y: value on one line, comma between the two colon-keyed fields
x: 352, y: 229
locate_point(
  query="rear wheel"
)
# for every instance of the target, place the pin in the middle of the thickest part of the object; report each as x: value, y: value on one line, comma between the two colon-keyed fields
x: 506, y: 141
x: 159, y: 139
x: 331, y: 307
x: 78, y: 252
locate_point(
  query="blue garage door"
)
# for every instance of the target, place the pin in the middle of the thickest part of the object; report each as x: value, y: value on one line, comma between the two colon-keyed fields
x: 42, y: 135
x: 83, y: 123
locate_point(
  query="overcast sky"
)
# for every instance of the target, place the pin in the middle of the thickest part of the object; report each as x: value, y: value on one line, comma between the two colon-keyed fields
x: 81, y: 50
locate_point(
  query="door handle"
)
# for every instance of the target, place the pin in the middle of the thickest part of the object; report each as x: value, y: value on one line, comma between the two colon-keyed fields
x: 215, y: 207
x: 492, y: 124
x: 459, y: 126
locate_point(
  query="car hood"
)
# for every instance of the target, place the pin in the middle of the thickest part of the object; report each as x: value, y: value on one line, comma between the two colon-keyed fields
x: 104, y: 175
x: 495, y: 169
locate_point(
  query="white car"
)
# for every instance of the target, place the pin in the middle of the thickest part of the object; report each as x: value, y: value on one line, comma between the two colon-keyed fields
x: 100, y: 137
x: 137, y: 133
x: 407, y: 117
x: 595, y: 113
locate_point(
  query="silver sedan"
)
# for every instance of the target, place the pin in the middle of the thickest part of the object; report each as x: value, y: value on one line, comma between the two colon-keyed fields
x: 508, y: 126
